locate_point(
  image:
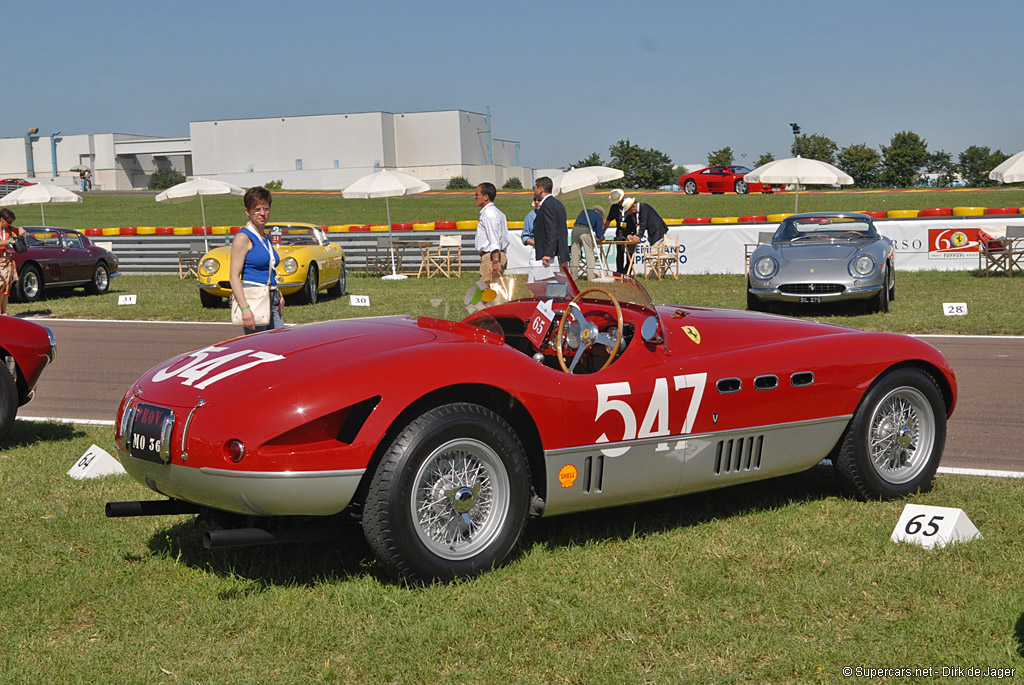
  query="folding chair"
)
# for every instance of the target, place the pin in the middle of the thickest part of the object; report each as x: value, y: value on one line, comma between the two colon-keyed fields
x: 763, y: 238
x: 378, y: 257
x: 664, y: 258
x: 188, y: 262
x: 444, y: 257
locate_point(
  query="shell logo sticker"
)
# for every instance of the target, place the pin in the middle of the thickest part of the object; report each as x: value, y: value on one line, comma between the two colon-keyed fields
x: 693, y: 333
x: 567, y: 475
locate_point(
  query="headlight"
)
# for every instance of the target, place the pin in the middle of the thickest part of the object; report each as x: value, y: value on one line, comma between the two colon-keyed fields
x: 289, y: 265
x: 862, y: 266
x: 765, y: 267
x: 210, y: 266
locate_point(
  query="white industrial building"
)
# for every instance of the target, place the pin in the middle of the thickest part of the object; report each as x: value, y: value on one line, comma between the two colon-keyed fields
x: 316, y: 152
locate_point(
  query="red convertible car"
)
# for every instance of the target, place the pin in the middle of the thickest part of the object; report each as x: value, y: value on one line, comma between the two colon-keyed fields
x: 59, y: 258
x: 723, y: 179
x: 443, y: 437
x: 25, y: 350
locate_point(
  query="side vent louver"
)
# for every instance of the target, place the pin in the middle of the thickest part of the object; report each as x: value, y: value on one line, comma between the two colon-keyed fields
x: 729, y: 385
x: 738, y: 454
x: 593, y: 474
x: 767, y: 382
x: 801, y: 379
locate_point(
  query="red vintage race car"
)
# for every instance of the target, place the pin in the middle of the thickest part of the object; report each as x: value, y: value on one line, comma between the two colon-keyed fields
x: 25, y: 350
x: 723, y: 179
x: 443, y: 437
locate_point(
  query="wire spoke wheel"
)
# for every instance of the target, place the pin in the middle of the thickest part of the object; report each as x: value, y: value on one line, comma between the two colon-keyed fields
x: 902, y: 429
x: 460, y: 498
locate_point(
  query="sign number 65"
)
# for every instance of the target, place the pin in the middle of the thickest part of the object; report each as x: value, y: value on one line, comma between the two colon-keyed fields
x: 914, y: 525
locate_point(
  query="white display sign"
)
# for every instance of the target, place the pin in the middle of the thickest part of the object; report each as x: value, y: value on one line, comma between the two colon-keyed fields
x: 359, y: 300
x: 954, y: 308
x: 933, y: 526
x: 126, y: 299
x: 94, y: 463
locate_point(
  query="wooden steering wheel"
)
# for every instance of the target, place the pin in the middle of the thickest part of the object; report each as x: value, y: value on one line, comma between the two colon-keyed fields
x: 589, y: 333
x: 856, y: 233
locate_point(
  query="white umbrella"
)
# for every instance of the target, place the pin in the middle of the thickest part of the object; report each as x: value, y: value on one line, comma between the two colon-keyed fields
x: 1010, y: 171
x: 799, y: 171
x: 39, y: 194
x: 386, y: 184
x: 183, y: 192
x: 586, y: 178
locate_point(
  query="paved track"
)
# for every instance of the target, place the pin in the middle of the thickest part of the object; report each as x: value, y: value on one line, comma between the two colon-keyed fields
x: 98, y: 360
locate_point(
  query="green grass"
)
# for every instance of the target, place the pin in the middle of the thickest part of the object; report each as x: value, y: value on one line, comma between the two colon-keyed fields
x: 102, y: 210
x: 784, y: 581
x: 995, y: 304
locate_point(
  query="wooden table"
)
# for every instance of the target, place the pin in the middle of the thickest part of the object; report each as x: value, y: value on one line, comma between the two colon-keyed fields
x: 402, y: 245
x: 605, y: 249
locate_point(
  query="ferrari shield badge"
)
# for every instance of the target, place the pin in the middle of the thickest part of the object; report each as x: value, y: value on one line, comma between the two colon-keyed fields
x: 693, y: 333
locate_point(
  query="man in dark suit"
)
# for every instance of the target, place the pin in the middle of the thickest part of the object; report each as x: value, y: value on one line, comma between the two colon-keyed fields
x: 642, y: 220
x: 550, y: 230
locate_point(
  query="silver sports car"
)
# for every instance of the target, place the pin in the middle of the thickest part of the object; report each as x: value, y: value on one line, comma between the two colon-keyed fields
x: 820, y: 258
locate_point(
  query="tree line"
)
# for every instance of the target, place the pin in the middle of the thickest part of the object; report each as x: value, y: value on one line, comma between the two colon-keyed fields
x: 900, y: 164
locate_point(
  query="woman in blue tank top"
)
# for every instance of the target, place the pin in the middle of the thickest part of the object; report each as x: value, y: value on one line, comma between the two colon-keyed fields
x: 254, y: 261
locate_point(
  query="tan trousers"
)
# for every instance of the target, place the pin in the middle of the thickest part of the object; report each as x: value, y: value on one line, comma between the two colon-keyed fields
x: 486, y: 273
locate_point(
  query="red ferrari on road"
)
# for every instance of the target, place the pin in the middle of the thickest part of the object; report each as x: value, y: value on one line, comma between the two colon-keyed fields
x: 443, y: 437
x: 723, y: 179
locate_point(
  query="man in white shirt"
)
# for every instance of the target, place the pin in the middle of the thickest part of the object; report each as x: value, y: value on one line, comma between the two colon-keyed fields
x: 491, y: 233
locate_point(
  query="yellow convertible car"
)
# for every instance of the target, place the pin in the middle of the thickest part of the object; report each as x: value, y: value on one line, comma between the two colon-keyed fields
x: 309, y: 263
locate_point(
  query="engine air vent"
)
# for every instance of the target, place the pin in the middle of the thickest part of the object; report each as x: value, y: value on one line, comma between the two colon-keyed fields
x: 729, y: 385
x: 801, y: 379
x: 766, y: 382
x: 738, y: 454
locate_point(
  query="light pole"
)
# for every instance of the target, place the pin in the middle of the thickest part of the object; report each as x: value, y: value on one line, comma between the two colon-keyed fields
x: 796, y: 135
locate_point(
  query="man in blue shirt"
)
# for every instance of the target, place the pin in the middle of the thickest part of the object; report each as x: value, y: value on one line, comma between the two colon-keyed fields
x: 588, y: 226
x: 528, y: 230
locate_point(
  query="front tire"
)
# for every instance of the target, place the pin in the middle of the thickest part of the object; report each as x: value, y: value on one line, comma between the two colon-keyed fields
x: 894, y: 442
x: 208, y: 300
x: 690, y: 187
x: 8, y: 400
x: 311, y: 287
x: 30, y: 284
x: 882, y: 301
x: 100, y: 283
x: 450, y: 497
x: 741, y: 187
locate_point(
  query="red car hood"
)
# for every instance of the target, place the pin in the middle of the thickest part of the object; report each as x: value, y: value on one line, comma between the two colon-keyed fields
x: 302, y: 359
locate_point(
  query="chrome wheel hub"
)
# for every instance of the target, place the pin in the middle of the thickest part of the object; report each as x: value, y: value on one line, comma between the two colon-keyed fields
x: 460, y: 498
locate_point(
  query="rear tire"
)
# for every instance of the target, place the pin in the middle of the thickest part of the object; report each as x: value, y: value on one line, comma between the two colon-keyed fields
x: 338, y: 289
x: 8, y: 400
x: 450, y: 496
x: 741, y: 187
x: 690, y: 187
x: 895, y: 440
x: 100, y: 283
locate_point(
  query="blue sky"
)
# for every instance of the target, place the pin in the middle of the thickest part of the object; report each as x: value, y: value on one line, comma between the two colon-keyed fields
x: 563, y: 78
